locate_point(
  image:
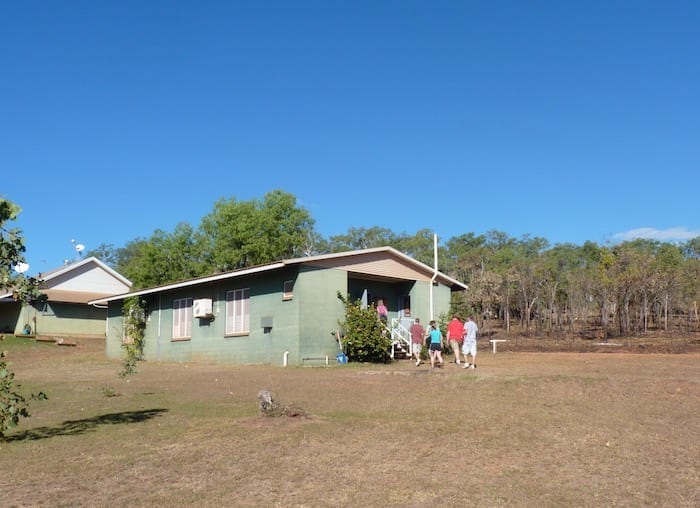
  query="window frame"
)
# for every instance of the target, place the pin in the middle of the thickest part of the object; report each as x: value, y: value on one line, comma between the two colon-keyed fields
x: 178, y: 309
x: 237, y: 313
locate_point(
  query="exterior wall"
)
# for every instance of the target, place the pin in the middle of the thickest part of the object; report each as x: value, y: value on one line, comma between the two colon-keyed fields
x: 56, y: 318
x: 115, y: 329
x: 208, y: 341
x: 319, y: 312
x: 442, y: 297
x: 420, y: 301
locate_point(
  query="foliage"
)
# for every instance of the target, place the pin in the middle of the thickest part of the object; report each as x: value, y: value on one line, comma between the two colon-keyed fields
x: 238, y: 234
x: 134, y: 330
x: 12, y: 250
x: 13, y: 405
x: 589, y: 289
x: 365, y: 338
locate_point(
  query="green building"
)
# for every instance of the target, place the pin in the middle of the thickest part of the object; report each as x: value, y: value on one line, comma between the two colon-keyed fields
x: 280, y: 313
x: 63, y: 310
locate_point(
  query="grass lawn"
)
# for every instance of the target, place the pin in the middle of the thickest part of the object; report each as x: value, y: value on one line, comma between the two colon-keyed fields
x: 523, y: 429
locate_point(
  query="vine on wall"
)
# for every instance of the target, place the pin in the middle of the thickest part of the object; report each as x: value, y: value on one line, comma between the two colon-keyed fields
x: 134, y: 312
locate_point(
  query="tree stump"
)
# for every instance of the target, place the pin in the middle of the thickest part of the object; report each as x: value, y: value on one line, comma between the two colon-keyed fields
x: 268, y: 404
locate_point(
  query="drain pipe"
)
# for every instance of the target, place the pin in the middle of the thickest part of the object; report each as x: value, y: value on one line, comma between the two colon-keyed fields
x: 285, y: 359
x: 435, y: 274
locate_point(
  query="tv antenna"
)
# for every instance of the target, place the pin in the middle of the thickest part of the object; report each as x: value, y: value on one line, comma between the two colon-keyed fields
x: 79, y: 248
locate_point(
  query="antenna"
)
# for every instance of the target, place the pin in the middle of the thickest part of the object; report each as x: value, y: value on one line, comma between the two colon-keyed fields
x: 79, y: 248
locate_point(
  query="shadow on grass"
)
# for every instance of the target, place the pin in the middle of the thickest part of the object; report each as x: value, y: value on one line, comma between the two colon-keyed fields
x: 75, y: 427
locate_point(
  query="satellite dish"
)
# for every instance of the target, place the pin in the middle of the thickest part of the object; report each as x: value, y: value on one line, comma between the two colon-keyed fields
x: 80, y: 247
x: 21, y: 267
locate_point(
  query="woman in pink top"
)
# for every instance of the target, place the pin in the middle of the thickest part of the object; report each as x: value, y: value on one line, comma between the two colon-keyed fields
x: 382, y: 311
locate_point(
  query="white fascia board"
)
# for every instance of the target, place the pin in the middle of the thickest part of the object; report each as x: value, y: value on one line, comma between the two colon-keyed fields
x: 191, y: 282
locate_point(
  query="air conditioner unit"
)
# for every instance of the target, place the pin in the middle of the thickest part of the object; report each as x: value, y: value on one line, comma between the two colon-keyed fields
x: 202, y: 308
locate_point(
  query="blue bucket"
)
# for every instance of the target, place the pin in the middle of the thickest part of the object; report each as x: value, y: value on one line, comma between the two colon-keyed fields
x: 341, y: 357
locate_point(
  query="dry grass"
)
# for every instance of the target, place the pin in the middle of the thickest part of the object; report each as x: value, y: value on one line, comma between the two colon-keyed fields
x: 524, y: 429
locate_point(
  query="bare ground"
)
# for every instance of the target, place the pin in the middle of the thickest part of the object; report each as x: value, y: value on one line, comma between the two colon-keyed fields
x: 565, y: 428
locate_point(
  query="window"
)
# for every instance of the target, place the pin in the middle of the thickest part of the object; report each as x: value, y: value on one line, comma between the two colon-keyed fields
x: 238, y: 312
x: 288, y: 290
x: 182, y: 318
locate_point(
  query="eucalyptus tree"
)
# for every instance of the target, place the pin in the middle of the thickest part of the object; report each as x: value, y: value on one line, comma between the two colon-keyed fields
x: 105, y: 252
x: 666, y: 270
x: 420, y: 246
x: 529, y: 275
x: 469, y: 257
x: 362, y: 238
x: 556, y: 265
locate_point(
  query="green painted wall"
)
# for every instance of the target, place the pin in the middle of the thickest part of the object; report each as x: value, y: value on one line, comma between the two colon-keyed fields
x: 115, y: 329
x: 208, y: 341
x: 67, y: 319
x: 319, y: 312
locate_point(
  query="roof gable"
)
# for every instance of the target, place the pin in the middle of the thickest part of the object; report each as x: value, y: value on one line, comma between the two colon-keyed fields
x: 89, y: 276
x: 374, y: 263
x: 383, y: 262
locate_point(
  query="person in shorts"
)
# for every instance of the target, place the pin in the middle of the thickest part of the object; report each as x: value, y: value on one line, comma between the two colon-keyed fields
x: 417, y: 340
x: 455, y: 335
x: 469, y: 346
x: 435, y: 348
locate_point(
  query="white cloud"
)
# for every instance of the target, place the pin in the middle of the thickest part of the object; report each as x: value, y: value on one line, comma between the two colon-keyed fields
x: 664, y: 235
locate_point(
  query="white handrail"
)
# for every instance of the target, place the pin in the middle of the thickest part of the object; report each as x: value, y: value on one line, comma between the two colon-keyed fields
x: 399, y: 335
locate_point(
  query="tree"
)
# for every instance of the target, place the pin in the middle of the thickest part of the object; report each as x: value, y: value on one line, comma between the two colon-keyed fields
x: 362, y: 238
x: 237, y: 234
x: 165, y: 257
x: 12, y: 257
x: 13, y: 405
x: 106, y: 253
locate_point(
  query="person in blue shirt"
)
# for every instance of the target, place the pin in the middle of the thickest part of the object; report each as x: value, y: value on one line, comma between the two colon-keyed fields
x: 435, y: 348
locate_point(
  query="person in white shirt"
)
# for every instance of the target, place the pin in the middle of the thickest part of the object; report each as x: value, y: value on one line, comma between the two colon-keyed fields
x: 469, y: 345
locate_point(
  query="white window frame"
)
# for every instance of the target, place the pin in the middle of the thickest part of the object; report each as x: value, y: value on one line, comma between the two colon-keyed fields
x: 238, y: 312
x: 182, y: 319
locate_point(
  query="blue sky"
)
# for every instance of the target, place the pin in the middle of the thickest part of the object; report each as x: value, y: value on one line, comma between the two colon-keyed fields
x: 571, y: 121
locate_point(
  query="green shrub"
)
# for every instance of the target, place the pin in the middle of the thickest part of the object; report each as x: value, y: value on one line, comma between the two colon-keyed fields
x: 365, y: 338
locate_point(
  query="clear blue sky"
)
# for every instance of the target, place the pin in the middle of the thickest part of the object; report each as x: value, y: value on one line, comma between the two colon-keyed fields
x: 571, y: 121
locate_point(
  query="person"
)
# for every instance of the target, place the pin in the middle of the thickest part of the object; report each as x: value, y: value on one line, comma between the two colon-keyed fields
x: 435, y: 348
x: 455, y: 336
x: 469, y: 346
x: 417, y: 340
x: 382, y: 311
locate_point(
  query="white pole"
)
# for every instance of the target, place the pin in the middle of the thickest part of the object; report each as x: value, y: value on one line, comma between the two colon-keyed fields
x: 432, y: 280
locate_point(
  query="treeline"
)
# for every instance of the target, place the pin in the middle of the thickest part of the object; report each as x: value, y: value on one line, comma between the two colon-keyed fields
x: 626, y: 288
